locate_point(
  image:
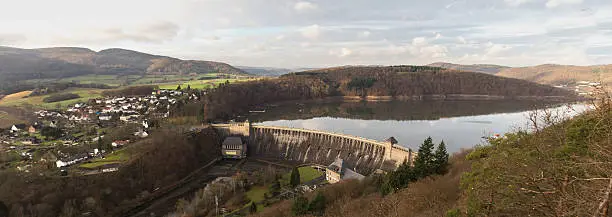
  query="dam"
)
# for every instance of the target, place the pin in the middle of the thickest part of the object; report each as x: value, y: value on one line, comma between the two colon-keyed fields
x: 319, y: 147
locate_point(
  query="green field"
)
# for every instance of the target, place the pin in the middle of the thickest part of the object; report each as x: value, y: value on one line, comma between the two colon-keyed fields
x: 199, y: 84
x: 306, y: 174
x: 114, y: 158
x: 37, y: 101
x: 256, y: 195
x: 111, y: 80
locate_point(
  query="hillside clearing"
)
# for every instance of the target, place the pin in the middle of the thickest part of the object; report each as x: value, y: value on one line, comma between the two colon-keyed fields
x: 37, y: 101
x: 15, y: 96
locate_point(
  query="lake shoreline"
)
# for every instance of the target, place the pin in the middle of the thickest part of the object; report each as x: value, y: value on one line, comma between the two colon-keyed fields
x: 434, y: 97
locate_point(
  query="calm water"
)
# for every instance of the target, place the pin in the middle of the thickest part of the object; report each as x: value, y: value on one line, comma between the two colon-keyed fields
x: 461, y: 124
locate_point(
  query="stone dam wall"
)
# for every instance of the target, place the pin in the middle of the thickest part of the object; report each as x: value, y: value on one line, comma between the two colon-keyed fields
x: 318, y: 147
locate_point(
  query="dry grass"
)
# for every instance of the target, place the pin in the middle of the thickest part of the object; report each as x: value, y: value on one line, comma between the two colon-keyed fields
x: 559, y: 74
x: 429, y: 197
x: 15, y: 96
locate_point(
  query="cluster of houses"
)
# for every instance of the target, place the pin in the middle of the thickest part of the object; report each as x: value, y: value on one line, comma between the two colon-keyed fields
x: 96, y: 113
x: 582, y: 88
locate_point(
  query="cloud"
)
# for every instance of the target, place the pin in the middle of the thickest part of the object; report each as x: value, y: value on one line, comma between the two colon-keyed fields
x: 157, y: 32
x: 434, y: 51
x: 365, y: 34
x: 556, y: 3
x: 461, y: 40
x: 438, y: 35
x: 296, y: 33
x: 11, y: 39
x: 304, y: 6
x: 311, y: 32
x: 497, y: 49
x: 517, y: 2
x: 343, y: 52
x: 418, y: 41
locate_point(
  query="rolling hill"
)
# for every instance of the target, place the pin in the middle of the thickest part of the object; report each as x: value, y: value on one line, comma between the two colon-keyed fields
x: 550, y: 74
x: 560, y: 74
x: 270, y: 71
x: 61, y: 62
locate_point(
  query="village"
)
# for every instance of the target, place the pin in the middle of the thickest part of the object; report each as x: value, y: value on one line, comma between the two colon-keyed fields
x: 582, y: 88
x: 86, y: 138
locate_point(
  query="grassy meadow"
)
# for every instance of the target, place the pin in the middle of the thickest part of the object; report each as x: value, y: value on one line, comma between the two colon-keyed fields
x: 22, y: 99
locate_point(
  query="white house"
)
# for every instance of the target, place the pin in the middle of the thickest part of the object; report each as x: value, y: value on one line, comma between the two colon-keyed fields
x: 60, y: 163
x: 105, y: 118
x: 141, y: 134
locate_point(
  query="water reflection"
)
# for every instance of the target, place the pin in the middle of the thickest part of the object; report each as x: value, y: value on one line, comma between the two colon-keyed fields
x: 461, y: 124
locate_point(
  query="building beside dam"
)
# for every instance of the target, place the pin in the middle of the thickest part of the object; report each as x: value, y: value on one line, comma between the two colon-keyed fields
x: 361, y: 155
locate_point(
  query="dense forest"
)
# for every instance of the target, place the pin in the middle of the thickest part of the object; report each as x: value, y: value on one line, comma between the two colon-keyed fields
x: 393, y: 81
x: 155, y: 164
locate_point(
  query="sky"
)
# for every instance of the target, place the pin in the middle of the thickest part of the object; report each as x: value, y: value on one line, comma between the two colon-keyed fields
x: 296, y: 33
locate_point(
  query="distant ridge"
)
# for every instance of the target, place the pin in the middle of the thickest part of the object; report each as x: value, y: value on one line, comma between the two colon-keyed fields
x: 61, y: 62
x: 271, y: 71
x: 484, y: 68
x: 551, y: 74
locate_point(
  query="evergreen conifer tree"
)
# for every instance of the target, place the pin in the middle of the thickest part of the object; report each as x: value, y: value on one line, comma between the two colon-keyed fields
x: 424, y: 164
x: 441, y: 159
x: 295, y: 177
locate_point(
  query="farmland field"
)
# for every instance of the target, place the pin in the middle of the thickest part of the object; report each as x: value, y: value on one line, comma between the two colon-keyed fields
x: 110, y: 80
x: 199, y: 84
x: 20, y: 99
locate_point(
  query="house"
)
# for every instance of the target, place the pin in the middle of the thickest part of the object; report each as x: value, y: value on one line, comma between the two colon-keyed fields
x: 17, y: 127
x: 141, y: 134
x: 337, y: 172
x: 105, y: 118
x: 31, y: 129
x: 120, y: 143
x: 71, y: 160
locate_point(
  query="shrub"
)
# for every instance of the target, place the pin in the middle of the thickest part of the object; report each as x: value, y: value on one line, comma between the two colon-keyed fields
x: 300, y: 206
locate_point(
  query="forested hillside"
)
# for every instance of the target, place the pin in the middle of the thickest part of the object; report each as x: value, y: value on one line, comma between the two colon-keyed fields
x: 394, y: 81
x: 43, y: 64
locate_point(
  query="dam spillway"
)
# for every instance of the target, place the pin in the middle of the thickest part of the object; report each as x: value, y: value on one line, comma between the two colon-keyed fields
x: 317, y: 147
